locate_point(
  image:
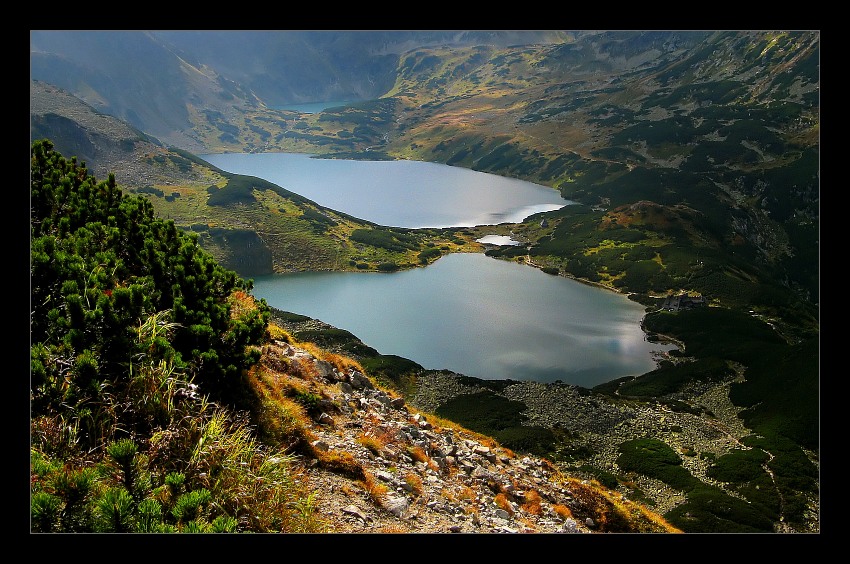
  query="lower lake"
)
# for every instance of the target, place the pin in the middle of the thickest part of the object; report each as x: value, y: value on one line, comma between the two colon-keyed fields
x: 478, y: 316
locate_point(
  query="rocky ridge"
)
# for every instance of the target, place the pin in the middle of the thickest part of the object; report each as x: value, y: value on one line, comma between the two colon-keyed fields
x: 420, y: 475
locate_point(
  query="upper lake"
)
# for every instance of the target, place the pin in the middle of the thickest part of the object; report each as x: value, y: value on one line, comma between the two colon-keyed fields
x: 313, y: 107
x: 402, y: 193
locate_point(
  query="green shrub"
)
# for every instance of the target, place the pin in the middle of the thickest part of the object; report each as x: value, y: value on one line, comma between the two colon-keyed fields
x: 655, y: 459
x: 711, y: 510
x: 190, y: 505
x: 114, y: 512
x: 44, y: 512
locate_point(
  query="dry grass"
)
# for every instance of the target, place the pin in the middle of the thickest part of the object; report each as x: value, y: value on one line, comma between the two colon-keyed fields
x: 392, y: 529
x: 467, y: 494
x: 279, y: 418
x: 374, y: 488
x: 415, y: 482
x: 277, y: 333
x: 532, y: 526
x: 440, y: 423
x: 373, y: 443
x: 305, y: 370
x: 502, y: 501
x: 532, y: 503
x: 241, y: 303
x: 418, y: 454
x: 342, y: 363
x: 563, y: 511
x: 613, y: 513
x: 340, y: 462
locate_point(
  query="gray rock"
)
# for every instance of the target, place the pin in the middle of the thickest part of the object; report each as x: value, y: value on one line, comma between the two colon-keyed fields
x: 355, y: 511
x: 396, y: 505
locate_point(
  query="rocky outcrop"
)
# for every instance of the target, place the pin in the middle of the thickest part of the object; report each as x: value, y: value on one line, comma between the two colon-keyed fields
x: 424, y: 476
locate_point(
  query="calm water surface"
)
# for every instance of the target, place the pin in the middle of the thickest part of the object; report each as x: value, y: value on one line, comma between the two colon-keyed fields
x: 468, y: 313
x: 478, y: 316
x: 398, y: 193
x: 313, y: 107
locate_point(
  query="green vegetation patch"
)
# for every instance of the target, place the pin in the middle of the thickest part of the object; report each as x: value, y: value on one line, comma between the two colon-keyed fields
x: 392, y: 240
x: 500, y: 418
x: 782, y: 393
x: 670, y: 378
x: 655, y: 459
x: 716, y: 332
x: 739, y: 465
x: 711, y: 510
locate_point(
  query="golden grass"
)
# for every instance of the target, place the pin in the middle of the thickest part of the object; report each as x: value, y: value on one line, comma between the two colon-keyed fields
x: 304, y: 370
x: 467, y: 494
x: 440, y: 423
x: 563, y: 511
x: 532, y: 502
x: 241, y: 303
x: 532, y: 526
x: 415, y: 482
x: 392, y: 529
x: 340, y: 462
x: 277, y: 333
x: 371, y: 442
x: 417, y: 454
x: 342, y: 363
x: 502, y: 501
x: 374, y: 488
x: 279, y: 419
x: 613, y: 513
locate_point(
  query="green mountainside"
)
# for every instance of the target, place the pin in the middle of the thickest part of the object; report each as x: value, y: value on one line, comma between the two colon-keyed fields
x: 694, y: 157
x: 248, y: 224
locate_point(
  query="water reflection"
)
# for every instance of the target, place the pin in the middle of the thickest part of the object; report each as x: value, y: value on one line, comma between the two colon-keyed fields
x: 478, y: 316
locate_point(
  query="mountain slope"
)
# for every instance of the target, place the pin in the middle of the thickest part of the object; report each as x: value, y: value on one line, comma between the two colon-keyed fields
x: 723, y: 124
x: 163, y: 401
x: 696, y: 156
x: 173, y: 84
x: 248, y: 224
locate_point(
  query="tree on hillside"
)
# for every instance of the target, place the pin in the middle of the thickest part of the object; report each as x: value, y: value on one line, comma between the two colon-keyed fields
x: 100, y: 264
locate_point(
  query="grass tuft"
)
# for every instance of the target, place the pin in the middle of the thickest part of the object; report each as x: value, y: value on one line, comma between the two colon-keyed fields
x: 373, y: 487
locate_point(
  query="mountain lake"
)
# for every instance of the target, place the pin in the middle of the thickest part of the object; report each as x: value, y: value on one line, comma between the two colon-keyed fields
x: 468, y: 313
